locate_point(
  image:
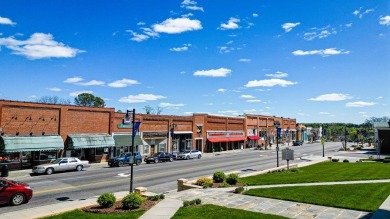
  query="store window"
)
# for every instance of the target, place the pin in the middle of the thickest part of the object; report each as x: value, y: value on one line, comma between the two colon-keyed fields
x: 9, y: 157
x: 47, y: 155
x: 101, y: 151
x: 188, y: 144
x: 146, y: 149
x: 161, y: 147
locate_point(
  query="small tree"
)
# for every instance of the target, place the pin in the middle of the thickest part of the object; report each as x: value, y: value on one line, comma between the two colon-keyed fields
x: 86, y: 99
x: 148, y: 109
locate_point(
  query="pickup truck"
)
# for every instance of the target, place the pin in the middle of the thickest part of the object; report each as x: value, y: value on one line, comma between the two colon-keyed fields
x: 61, y: 164
x: 124, y: 158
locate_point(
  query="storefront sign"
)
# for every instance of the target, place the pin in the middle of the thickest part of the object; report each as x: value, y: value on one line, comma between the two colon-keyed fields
x: 225, y: 134
x: 151, y: 135
x: 123, y: 126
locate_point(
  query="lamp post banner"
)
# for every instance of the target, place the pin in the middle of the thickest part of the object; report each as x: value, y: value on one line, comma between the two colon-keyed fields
x: 278, y: 131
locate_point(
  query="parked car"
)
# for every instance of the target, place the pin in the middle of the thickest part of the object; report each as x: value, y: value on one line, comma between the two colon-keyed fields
x: 14, y: 192
x: 297, y: 143
x: 124, y: 158
x: 189, y: 154
x: 161, y: 156
x: 61, y: 164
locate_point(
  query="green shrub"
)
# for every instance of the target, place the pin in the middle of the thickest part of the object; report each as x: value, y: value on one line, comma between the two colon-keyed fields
x: 192, y: 202
x: 232, y: 178
x: 106, y: 200
x: 156, y: 197
x: 386, y: 161
x: 219, y: 177
x: 335, y: 160
x: 345, y: 161
x: 387, y: 158
x: 132, y: 201
x: 224, y: 185
x: 208, y: 185
x: 203, y: 181
x: 239, y: 190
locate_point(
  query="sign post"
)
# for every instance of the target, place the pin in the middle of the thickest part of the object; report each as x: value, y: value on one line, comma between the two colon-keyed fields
x: 288, y: 154
x: 278, y: 130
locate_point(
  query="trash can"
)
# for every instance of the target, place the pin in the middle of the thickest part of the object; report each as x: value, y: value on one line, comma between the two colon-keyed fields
x: 4, y: 171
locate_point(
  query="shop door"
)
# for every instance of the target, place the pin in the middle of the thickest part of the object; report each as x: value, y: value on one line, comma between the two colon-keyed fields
x: 198, y: 144
x: 152, y: 149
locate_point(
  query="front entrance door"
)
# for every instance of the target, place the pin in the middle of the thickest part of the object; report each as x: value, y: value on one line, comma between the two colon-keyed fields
x: 152, y: 149
x: 198, y: 144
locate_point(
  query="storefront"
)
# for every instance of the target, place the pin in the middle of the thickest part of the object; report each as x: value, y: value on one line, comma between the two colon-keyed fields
x: 123, y: 143
x: 224, y: 140
x: 27, y: 151
x: 92, y: 147
x: 182, y: 141
x: 155, y: 142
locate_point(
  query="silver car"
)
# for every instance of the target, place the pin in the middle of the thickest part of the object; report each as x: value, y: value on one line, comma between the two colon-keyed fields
x: 189, y: 154
x: 61, y: 164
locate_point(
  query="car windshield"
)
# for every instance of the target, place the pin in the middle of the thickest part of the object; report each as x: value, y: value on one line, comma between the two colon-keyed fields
x: 187, y: 152
x: 156, y: 154
x: 56, y: 161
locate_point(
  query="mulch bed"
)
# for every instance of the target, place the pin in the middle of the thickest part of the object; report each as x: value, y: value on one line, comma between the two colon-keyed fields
x: 117, y: 208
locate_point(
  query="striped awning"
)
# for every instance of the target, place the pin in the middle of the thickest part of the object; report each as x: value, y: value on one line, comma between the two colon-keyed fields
x: 30, y: 143
x: 78, y: 141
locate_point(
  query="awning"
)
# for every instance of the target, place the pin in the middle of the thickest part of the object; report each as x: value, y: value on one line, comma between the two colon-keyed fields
x: 256, y: 137
x: 237, y: 139
x: 213, y: 140
x: 78, y: 141
x: 30, y: 143
x: 125, y: 140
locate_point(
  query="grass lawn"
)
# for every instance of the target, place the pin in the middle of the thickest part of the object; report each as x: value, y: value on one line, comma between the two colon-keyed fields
x: 84, y: 215
x: 364, y: 197
x: 214, y: 211
x: 324, y: 172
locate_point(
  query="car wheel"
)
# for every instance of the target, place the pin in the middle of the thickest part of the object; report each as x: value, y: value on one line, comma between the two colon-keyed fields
x: 138, y: 162
x: 79, y: 168
x: 170, y: 159
x: 156, y: 160
x: 147, y: 162
x: 49, y: 171
x: 18, y: 199
x: 199, y: 156
x: 188, y: 157
x: 120, y: 163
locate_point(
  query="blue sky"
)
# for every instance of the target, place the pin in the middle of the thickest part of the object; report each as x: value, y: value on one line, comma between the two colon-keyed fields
x: 316, y: 61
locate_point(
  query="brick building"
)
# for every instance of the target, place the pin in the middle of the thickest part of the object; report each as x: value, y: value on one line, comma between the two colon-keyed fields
x: 34, y: 133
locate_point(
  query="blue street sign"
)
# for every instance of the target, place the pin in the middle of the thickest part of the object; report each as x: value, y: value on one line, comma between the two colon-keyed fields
x: 324, y: 131
x: 278, y: 131
x: 136, y: 127
x: 172, y: 132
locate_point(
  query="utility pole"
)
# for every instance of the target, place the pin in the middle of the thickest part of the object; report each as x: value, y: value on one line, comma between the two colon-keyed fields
x: 132, y: 159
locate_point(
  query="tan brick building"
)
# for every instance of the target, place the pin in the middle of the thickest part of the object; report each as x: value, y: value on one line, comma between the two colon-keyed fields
x: 33, y: 133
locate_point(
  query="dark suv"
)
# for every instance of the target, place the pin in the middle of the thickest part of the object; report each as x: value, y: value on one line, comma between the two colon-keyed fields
x: 161, y: 156
x: 123, y: 159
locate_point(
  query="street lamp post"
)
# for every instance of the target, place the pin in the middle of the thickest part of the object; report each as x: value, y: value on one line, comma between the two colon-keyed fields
x: 172, y: 131
x: 277, y: 125
x: 132, y: 147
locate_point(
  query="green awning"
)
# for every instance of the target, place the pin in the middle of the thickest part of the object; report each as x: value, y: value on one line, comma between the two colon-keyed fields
x: 30, y: 143
x: 78, y: 141
x: 125, y: 140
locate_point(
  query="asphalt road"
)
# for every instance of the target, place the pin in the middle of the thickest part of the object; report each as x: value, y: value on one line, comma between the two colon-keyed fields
x: 158, y: 178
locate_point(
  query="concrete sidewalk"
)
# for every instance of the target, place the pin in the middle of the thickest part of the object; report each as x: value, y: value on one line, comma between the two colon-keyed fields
x: 165, y: 209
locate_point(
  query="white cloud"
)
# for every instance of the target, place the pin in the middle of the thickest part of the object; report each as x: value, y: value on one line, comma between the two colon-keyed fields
x: 221, y: 72
x: 6, y: 21
x: 123, y: 83
x: 76, y: 93
x: 178, y: 25
x: 277, y: 75
x: 181, y: 49
x: 191, y: 5
x: 331, y: 97
x: 91, y: 83
x: 319, y: 33
x: 55, y: 89
x: 231, y: 24
x: 359, y: 104
x: 73, y: 80
x: 32, y: 96
x: 148, y: 31
x: 222, y: 90
x: 137, y: 37
x: 323, y: 52
x: 244, y: 60
x: 348, y: 25
x: 140, y: 98
x: 269, y: 83
x: 171, y: 105
x: 380, y: 97
x: 324, y: 113
x: 360, y: 13
x: 362, y: 113
x: 39, y: 46
x: 289, y: 26
x: 245, y: 96
x: 385, y: 20
x: 255, y: 15
x: 253, y: 101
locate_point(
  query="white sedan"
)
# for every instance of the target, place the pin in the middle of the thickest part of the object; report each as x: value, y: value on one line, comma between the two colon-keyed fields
x: 190, y: 154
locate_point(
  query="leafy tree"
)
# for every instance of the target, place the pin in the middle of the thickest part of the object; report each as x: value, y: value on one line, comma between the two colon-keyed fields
x: 86, y: 99
x: 53, y: 100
